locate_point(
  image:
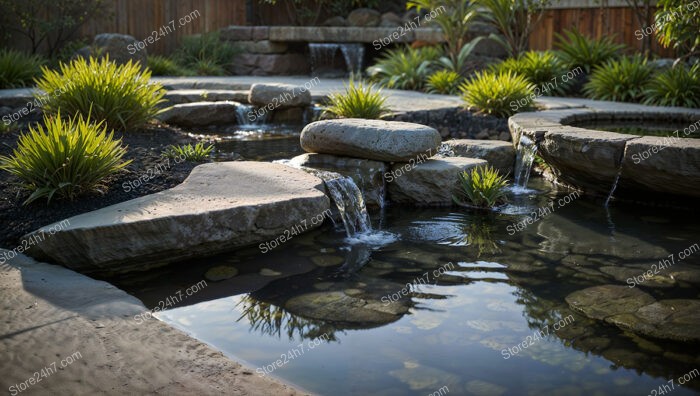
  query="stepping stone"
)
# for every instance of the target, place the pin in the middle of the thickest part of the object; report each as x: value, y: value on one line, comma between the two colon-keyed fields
x: 219, y: 207
x: 431, y: 182
x: 181, y: 96
x: 279, y: 96
x: 371, y: 139
x: 499, y: 154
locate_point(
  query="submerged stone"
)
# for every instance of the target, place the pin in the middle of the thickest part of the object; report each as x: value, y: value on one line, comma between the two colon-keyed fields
x: 336, y: 306
x: 221, y: 272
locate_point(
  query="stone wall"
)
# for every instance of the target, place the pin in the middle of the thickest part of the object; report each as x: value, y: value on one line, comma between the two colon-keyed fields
x: 458, y: 123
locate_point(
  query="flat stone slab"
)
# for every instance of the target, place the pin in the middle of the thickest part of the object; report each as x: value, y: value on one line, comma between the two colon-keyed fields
x: 219, y: 207
x: 499, y: 154
x: 370, y: 139
x: 428, y: 182
x: 633, y: 309
x: 181, y: 96
x: 279, y: 96
x: 367, y: 174
x: 200, y: 113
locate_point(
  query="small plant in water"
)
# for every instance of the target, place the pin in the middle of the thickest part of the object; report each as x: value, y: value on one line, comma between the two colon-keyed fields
x: 197, y: 153
x: 482, y: 187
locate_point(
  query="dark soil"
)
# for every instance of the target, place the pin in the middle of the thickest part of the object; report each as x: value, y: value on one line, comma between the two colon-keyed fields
x: 144, y: 149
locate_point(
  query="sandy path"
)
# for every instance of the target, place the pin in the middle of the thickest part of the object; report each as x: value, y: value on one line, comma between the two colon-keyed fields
x: 48, y: 313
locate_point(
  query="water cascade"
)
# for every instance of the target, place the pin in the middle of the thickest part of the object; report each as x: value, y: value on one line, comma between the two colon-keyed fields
x: 349, y: 201
x: 246, y: 116
x: 523, y: 161
x: 324, y: 54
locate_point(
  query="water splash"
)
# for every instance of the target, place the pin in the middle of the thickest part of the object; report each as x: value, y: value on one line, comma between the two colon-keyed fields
x: 247, y: 116
x: 350, y: 203
x: 523, y: 162
x: 354, y: 54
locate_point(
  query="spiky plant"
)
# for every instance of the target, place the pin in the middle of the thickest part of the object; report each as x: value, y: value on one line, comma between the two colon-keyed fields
x: 444, y: 82
x: 577, y: 50
x: 620, y: 80
x: 677, y: 86
x: 482, y: 187
x: 18, y: 69
x: 358, y: 101
x: 498, y: 94
x: 188, y: 152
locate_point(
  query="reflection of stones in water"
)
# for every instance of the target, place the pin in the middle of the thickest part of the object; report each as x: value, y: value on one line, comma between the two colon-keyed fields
x: 269, y: 272
x: 336, y: 306
x: 327, y: 260
x: 221, y: 272
x: 426, y: 379
x: 479, y: 387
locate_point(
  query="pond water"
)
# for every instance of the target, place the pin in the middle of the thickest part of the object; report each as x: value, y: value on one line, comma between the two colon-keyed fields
x: 334, y: 315
x: 645, y: 129
x: 264, y: 142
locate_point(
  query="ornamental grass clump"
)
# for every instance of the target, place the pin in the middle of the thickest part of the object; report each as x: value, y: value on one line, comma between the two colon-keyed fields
x: 18, y: 69
x: 65, y: 157
x: 120, y: 95
x: 192, y: 153
x: 444, y: 82
x: 677, y: 86
x: 358, y: 101
x: 620, y: 80
x: 499, y: 94
x: 482, y: 187
x: 577, y: 50
x: 541, y: 68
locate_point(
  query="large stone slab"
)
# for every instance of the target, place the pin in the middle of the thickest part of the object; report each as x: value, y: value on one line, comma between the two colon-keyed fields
x: 279, y: 96
x: 499, y: 154
x: 429, y: 181
x: 219, y: 207
x: 200, y: 113
x: 370, y: 139
x: 367, y: 174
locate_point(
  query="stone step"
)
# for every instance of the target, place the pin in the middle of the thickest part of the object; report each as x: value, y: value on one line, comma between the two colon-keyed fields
x: 180, y: 96
x: 499, y: 154
x: 219, y: 207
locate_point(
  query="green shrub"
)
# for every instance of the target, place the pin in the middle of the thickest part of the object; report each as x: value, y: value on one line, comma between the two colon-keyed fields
x: 69, y: 157
x: 162, y: 66
x: 404, y: 68
x: 543, y: 69
x: 17, y: 69
x: 444, y: 82
x: 576, y: 50
x: 515, y: 21
x: 498, y: 94
x: 620, y: 80
x: 458, y: 64
x: 678, y: 25
x: 483, y: 187
x: 197, y: 153
x: 206, y: 54
x: 122, y: 96
x: 358, y: 101
x: 677, y: 86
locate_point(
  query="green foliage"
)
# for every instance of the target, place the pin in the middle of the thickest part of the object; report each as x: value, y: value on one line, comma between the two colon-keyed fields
x: 497, y: 94
x: 122, y: 96
x: 458, y: 64
x: 444, y: 82
x: 483, y: 187
x: 515, y: 21
x: 197, y: 153
x: 454, y: 17
x: 69, y: 157
x: 163, y: 66
x: 18, y: 69
x: 48, y: 24
x: 404, y: 68
x: 619, y: 80
x: 206, y: 54
x: 358, y: 101
x: 677, y: 86
x: 576, y: 50
x: 540, y: 68
x: 678, y: 24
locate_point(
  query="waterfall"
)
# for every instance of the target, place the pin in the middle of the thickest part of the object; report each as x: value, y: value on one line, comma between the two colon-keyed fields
x: 350, y: 203
x: 324, y: 54
x: 247, y: 116
x: 523, y: 161
x: 354, y: 54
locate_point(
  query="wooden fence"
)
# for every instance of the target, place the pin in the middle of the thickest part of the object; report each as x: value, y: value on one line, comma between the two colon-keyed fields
x: 140, y: 18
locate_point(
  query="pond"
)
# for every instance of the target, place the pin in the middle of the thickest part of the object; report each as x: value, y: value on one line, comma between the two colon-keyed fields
x: 484, y: 312
x: 642, y: 129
